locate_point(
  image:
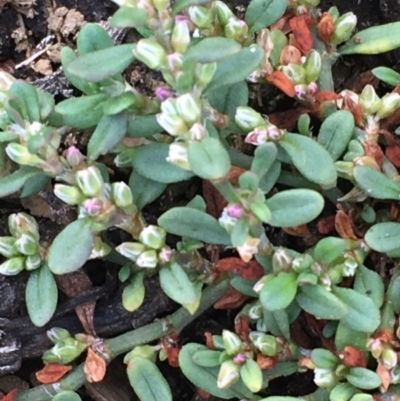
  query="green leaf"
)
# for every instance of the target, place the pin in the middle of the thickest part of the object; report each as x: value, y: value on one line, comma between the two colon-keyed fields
x: 264, y: 157
x: 34, y: 185
x: 147, y: 381
x: 244, y: 286
x: 279, y: 292
x: 393, y: 291
x: 188, y: 222
x: 236, y: 68
x: 15, y: 181
x: 212, y: 49
x: 67, y: 396
x: 93, y: 37
x: 329, y: 249
x: 294, y: 207
x: 150, y: 161
x: 362, y: 313
x: 143, y: 126
x: 129, y: 17
x: 324, y: 358
x: 321, y: 303
x: 281, y: 398
x: 71, y: 248
x: 373, y: 40
x: 369, y: 282
x: 181, y: 4
x: 134, y: 293
x: 206, y: 378
x: 228, y: 98
x: 101, y: 64
x: 207, y: 358
x: 117, y: 104
x: 80, y: 105
x: 28, y: 96
x: 278, y: 322
x: 376, y: 184
x: 144, y: 190
x: 41, y: 296
x: 310, y: 158
x: 176, y: 284
x: 268, y: 181
x: 363, y: 378
x: 387, y: 75
x: 335, y: 132
x: 345, y: 335
x: 108, y: 133
x: 384, y: 237
x: 262, y: 13
x: 209, y: 159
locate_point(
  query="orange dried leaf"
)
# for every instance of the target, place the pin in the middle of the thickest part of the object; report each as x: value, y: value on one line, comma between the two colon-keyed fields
x: 209, y: 340
x: 353, y: 357
x: 10, y: 396
x: 324, y: 96
x: 231, y: 300
x: 251, y: 270
x: 266, y: 362
x: 385, y: 376
x: 290, y: 54
x: 344, y: 226
x: 52, y: 372
x: 301, y: 33
x: 326, y: 27
x: 282, y: 82
x: 297, y: 231
x: 393, y: 154
x: 95, y: 367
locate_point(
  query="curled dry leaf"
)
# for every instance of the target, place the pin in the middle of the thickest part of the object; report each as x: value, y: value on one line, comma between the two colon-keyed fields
x: 326, y: 224
x: 231, y: 300
x: 282, y: 82
x: 325, y: 96
x: 298, y: 231
x: 373, y: 150
x: 326, y: 27
x: 242, y: 326
x: 10, y: 396
x: 170, y: 345
x: 209, y: 340
x: 353, y: 357
x: 266, y: 362
x: 52, y: 372
x: 251, y: 270
x: 385, y: 376
x: 393, y: 154
x: 95, y: 367
x: 344, y: 225
x: 302, y: 34
x: 290, y: 54
x: 355, y: 109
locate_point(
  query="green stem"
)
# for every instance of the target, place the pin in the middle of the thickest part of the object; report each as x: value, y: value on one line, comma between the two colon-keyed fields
x: 125, y: 342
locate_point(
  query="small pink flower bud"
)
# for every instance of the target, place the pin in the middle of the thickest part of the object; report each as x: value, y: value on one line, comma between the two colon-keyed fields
x: 74, y: 156
x: 300, y: 91
x: 175, y: 62
x: 163, y: 93
x: 198, y: 132
x: 312, y: 88
x: 235, y: 210
x: 240, y: 358
x: 258, y: 136
x: 93, y: 206
x: 165, y: 255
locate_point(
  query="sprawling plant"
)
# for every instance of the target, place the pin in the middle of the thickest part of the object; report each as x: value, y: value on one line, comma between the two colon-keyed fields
x: 211, y: 60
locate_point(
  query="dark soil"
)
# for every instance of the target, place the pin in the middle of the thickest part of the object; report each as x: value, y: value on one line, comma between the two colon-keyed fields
x: 110, y: 318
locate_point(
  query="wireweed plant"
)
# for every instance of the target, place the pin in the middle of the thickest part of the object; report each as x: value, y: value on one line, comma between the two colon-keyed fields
x: 210, y: 61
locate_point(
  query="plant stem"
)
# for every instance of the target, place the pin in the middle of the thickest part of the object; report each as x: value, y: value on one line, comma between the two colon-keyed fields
x: 125, y: 342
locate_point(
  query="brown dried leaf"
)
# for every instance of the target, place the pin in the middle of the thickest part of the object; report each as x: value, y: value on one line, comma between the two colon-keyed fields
x: 242, y: 326
x: 171, y: 347
x: 353, y: 357
x: 373, y: 150
x: 326, y: 224
x: 251, y: 270
x: 324, y: 96
x: 393, y: 154
x: 326, y: 27
x: 231, y: 300
x: 355, y: 109
x: 10, y: 396
x: 266, y: 362
x: 287, y: 119
x: 52, y: 372
x: 385, y: 376
x: 344, y: 225
x: 363, y: 79
x: 209, y: 340
x: 282, y: 82
x: 298, y: 231
x: 94, y: 367
x: 290, y: 54
x: 302, y: 33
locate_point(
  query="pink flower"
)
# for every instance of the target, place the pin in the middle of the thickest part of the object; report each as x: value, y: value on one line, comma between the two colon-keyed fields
x: 163, y: 93
x: 240, y: 358
x: 235, y: 210
x: 93, y: 206
x: 74, y: 156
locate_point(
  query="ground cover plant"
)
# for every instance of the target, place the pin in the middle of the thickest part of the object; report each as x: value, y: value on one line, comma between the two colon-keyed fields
x: 326, y: 173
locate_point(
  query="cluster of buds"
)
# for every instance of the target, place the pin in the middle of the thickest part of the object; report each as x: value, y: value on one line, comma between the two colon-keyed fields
x: 261, y: 131
x: 66, y: 347
x: 22, y: 248
x: 233, y: 27
x: 342, y: 26
x: 37, y: 146
x: 150, y: 250
x: 332, y: 260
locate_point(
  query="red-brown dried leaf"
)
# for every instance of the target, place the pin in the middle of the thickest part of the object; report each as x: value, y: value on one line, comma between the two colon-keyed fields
x: 231, y: 300
x: 373, y: 150
x: 52, y: 372
x: 363, y: 79
x: 209, y: 340
x: 394, y: 211
x: 202, y: 393
x: 242, y: 326
x: 324, y: 96
x: 354, y: 109
x: 298, y: 231
x: 266, y: 362
x: 344, y: 225
x: 282, y: 82
x: 385, y: 376
x: 171, y: 348
x: 353, y: 357
x: 95, y: 367
x: 251, y: 270
x: 393, y: 154
x: 287, y: 119
x: 326, y: 225
x: 302, y: 33
x: 10, y: 396
x: 326, y: 27
x: 290, y: 55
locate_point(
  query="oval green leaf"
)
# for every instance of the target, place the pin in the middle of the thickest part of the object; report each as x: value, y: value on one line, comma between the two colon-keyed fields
x: 310, y: 158
x: 363, y: 378
x: 262, y: 13
x: 15, y: 181
x: 147, y: 381
x: 384, y: 237
x: 144, y: 190
x: 67, y: 396
x: 369, y: 282
x: 387, y: 75
x: 294, y: 207
x: 188, y: 222
x: 212, y: 49
x: 71, y: 248
x: 41, y: 296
